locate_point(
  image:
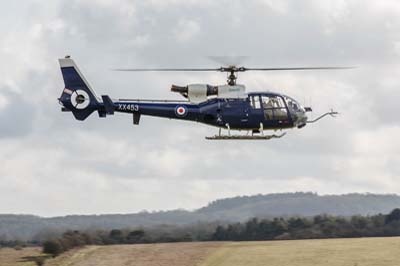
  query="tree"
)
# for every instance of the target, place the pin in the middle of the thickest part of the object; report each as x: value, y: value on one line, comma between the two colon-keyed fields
x: 135, y: 236
x: 220, y: 233
x: 232, y: 232
x: 298, y: 223
x: 279, y: 226
x: 393, y: 216
x: 116, y: 236
x: 251, y: 228
x: 265, y: 230
x: 52, y: 247
x: 71, y: 239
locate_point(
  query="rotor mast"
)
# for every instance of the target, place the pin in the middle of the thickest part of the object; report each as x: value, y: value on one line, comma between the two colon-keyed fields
x: 232, y: 78
x: 232, y: 73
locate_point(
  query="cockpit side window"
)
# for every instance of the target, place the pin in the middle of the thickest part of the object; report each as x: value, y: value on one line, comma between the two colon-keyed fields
x: 266, y: 102
x: 274, y: 108
x: 268, y: 105
x: 255, y: 102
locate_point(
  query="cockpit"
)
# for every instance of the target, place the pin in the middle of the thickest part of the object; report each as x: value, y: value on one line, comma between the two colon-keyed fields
x: 278, y: 107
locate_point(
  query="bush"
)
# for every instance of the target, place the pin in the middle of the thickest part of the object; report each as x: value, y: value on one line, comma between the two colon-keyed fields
x: 40, y: 261
x: 52, y: 247
x: 135, y: 236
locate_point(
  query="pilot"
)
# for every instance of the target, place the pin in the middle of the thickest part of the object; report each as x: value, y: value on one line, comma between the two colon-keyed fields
x: 279, y: 111
x: 268, y: 105
x: 293, y: 106
x: 272, y: 107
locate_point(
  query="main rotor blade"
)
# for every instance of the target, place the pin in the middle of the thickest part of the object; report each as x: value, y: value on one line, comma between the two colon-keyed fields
x: 225, y: 69
x: 166, y: 69
x: 292, y: 68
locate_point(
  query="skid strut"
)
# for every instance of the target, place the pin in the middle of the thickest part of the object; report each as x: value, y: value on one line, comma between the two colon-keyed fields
x: 246, y: 137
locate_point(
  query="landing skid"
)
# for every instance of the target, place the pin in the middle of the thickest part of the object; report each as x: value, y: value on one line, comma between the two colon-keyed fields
x: 246, y: 137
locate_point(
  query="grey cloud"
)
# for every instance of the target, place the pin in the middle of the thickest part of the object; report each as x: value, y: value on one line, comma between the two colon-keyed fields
x: 16, y: 117
x: 101, y: 157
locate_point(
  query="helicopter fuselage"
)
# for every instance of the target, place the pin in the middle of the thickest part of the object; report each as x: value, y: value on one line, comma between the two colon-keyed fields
x: 265, y: 110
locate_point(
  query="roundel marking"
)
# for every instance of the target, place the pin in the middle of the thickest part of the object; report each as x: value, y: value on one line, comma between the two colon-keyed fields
x: 181, y: 111
x: 80, y: 99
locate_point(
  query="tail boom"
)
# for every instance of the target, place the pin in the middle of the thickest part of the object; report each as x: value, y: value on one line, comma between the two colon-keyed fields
x: 79, y: 98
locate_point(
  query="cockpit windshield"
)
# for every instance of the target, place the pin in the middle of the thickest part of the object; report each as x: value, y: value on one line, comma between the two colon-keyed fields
x: 276, y: 107
x: 293, y: 105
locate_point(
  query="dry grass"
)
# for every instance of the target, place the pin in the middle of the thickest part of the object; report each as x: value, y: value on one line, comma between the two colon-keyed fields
x: 174, y: 254
x: 12, y: 257
x: 332, y: 252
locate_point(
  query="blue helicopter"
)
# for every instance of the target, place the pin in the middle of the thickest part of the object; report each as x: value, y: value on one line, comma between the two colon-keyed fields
x: 226, y: 106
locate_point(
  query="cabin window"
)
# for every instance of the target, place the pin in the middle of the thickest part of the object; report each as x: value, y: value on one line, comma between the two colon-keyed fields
x: 274, y: 108
x: 255, y: 102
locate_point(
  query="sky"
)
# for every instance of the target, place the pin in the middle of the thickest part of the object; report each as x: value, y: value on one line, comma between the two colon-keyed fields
x: 51, y: 164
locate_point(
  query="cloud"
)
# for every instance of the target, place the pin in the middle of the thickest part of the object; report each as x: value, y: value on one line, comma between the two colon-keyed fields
x: 16, y: 115
x: 3, y: 102
x: 186, y: 30
x: 57, y: 165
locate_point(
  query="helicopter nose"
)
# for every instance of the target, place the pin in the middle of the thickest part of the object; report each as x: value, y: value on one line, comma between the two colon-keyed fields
x: 301, y: 120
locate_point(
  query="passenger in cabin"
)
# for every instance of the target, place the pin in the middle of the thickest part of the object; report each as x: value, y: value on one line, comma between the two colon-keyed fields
x: 274, y: 109
x: 268, y: 105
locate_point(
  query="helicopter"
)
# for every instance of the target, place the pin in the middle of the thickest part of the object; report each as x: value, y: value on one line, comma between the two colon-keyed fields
x: 227, y: 106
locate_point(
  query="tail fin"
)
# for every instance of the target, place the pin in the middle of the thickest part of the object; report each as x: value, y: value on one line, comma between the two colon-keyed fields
x: 77, y: 96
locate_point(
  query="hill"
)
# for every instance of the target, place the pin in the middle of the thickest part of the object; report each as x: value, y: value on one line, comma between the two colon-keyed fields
x: 27, y: 227
x: 299, y: 204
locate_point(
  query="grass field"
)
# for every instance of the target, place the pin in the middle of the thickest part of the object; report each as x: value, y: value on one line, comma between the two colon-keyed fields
x: 12, y: 257
x: 331, y: 252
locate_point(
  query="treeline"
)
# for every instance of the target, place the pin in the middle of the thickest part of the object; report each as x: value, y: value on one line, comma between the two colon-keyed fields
x: 237, y: 209
x: 160, y: 234
x: 69, y: 240
x: 73, y: 239
x: 320, y: 226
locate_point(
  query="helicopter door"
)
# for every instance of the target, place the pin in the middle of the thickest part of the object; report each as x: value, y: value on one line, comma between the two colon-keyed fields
x: 255, y: 111
x: 275, y: 111
x: 235, y: 112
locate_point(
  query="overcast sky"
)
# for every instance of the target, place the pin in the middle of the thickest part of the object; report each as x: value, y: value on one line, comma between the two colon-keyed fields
x: 51, y: 164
